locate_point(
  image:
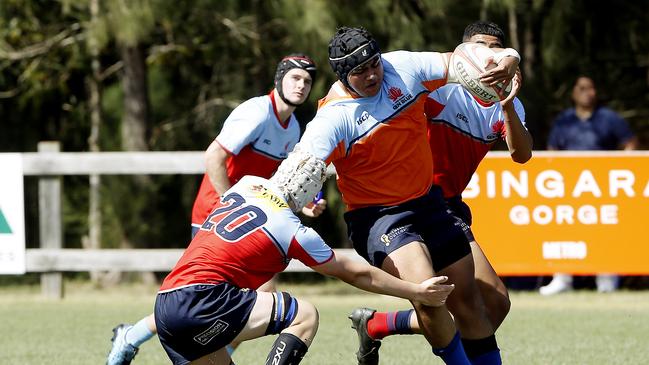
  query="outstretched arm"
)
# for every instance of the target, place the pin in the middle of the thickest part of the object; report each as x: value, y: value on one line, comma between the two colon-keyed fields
x: 361, y: 275
x: 315, y: 209
x: 518, y: 138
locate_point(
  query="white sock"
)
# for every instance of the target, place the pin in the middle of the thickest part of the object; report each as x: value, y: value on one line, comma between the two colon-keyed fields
x: 139, y: 333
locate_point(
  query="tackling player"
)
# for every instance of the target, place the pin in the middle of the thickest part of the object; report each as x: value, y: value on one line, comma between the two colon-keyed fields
x: 255, y: 138
x: 372, y: 127
x: 209, y: 298
x: 461, y: 130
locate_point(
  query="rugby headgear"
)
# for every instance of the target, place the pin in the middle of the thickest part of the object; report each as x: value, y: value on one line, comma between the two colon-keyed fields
x: 300, y: 177
x: 350, y: 48
x: 296, y: 60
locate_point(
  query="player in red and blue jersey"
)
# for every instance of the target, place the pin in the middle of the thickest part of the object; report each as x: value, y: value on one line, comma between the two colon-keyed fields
x: 209, y: 298
x: 461, y: 130
x: 255, y: 138
x: 372, y: 127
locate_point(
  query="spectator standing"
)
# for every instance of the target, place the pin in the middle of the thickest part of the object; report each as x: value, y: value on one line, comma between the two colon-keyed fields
x: 587, y: 127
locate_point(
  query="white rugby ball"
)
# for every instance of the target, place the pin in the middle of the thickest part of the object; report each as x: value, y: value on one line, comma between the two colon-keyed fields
x: 467, y: 62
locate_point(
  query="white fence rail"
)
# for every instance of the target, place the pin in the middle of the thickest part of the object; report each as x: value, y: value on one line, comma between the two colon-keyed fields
x: 51, y: 259
x: 112, y: 163
x: 58, y: 260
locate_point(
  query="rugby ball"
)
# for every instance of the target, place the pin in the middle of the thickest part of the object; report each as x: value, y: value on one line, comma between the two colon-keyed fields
x: 467, y: 62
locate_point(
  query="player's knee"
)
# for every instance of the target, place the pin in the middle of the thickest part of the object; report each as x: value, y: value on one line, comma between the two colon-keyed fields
x: 289, y: 312
x: 283, y: 314
x: 498, y: 310
x: 270, y: 286
x: 307, y: 316
x: 466, y: 302
x: 428, y: 313
x: 504, y: 305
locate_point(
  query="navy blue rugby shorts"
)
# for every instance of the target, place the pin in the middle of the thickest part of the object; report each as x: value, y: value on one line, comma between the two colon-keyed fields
x: 377, y: 231
x: 460, y: 210
x: 196, y: 320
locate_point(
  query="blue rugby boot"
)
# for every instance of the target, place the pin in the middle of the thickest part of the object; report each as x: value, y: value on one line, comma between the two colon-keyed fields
x: 122, y: 352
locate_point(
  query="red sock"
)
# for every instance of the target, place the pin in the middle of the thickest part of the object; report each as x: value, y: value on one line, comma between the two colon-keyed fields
x: 385, y: 324
x: 377, y: 326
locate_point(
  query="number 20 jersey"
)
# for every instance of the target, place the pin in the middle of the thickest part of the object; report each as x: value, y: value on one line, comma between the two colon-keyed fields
x: 251, y: 235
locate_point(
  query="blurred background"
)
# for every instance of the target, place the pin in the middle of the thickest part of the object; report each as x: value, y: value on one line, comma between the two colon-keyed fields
x: 160, y: 75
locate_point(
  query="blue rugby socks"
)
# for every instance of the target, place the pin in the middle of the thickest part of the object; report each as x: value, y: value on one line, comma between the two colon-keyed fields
x: 453, y: 353
x: 483, y: 351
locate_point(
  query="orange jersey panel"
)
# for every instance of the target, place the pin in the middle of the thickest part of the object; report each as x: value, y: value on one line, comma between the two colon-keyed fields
x: 379, y: 144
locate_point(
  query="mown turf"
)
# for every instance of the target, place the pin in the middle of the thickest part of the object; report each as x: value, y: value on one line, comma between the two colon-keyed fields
x: 575, y: 328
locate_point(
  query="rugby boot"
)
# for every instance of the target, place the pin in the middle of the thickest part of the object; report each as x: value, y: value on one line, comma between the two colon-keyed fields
x: 368, y: 348
x: 122, y: 352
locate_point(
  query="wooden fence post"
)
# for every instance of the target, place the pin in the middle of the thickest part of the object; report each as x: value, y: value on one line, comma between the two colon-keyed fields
x: 50, y: 223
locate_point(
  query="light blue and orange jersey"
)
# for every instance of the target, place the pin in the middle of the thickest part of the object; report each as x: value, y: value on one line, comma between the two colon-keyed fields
x: 257, y: 142
x: 461, y: 131
x: 378, y: 144
x: 250, y: 235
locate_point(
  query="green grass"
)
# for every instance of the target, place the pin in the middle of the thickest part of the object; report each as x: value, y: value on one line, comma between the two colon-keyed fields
x: 575, y: 328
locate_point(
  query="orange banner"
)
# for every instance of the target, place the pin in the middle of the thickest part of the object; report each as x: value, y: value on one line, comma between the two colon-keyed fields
x: 572, y: 212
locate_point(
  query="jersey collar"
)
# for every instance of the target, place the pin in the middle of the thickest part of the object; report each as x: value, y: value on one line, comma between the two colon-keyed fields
x: 483, y: 103
x: 283, y: 124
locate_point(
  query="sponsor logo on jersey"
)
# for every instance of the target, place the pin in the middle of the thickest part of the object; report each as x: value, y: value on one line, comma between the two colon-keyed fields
x: 394, y: 93
x: 497, y: 130
x: 266, y: 141
x: 263, y: 193
x: 462, y: 117
x: 398, y: 98
x: 364, y: 116
x: 216, y: 329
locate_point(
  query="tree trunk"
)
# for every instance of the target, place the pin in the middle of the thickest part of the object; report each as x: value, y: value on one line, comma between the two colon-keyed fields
x: 529, y: 46
x: 94, y: 210
x: 483, y: 10
x: 513, y: 28
x: 136, y: 101
x: 135, y: 123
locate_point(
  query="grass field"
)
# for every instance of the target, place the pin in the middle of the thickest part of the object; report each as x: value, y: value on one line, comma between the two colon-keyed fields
x: 576, y: 328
